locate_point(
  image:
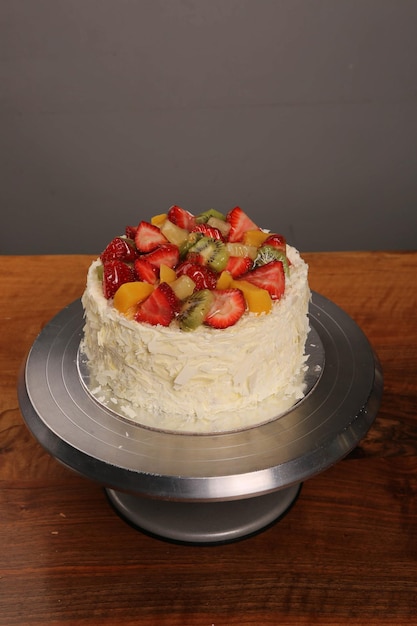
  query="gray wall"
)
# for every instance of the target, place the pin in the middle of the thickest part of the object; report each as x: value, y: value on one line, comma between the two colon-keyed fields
x: 303, y: 112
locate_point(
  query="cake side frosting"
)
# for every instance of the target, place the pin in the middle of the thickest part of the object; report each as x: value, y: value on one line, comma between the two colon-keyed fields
x: 208, y: 380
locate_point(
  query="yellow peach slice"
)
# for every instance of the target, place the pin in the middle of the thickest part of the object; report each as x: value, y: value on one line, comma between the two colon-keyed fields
x: 166, y: 274
x: 158, y: 220
x: 257, y: 299
x: 255, y: 237
x: 130, y: 294
x: 224, y: 281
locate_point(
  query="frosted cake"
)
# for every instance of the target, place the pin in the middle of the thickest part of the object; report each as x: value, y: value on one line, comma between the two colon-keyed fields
x: 197, y: 323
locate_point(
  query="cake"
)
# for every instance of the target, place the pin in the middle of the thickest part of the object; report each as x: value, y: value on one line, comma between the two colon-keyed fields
x: 196, y: 323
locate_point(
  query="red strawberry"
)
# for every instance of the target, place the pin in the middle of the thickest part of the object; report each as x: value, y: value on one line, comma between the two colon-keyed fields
x: 277, y: 241
x: 116, y: 273
x: 148, y: 237
x: 238, y: 265
x: 181, y: 217
x: 130, y: 232
x: 208, y: 231
x: 203, y: 276
x: 228, y: 307
x: 145, y: 271
x: 167, y: 254
x: 160, y: 307
x: 119, y: 248
x: 239, y: 224
x: 270, y: 277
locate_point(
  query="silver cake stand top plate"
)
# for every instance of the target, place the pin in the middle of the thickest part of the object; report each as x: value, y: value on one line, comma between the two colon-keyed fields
x: 315, y: 434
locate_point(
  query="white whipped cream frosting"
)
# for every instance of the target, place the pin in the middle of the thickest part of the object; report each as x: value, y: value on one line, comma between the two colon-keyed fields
x: 202, y: 381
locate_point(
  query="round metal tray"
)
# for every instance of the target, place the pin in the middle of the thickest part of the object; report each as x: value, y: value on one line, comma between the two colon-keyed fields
x: 202, y: 488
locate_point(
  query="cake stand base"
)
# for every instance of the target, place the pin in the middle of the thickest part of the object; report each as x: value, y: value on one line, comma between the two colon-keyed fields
x: 203, y: 522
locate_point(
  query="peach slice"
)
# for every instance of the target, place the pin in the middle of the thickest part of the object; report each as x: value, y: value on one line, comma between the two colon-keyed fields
x: 130, y: 294
x: 225, y: 280
x: 166, y: 274
x: 158, y: 220
x: 255, y: 237
x: 257, y: 299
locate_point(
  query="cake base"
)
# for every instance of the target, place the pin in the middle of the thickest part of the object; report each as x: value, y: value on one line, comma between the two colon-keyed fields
x: 203, y: 522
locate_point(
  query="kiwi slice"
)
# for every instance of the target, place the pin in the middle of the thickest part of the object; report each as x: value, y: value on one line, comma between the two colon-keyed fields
x: 266, y: 254
x: 194, y: 309
x: 204, y: 217
x: 213, y: 252
x: 186, y: 245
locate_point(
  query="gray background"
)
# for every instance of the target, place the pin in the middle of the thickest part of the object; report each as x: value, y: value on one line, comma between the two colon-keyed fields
x: 302, y: 112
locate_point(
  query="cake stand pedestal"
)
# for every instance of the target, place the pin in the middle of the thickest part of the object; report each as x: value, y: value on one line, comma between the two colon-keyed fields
x: 208, y: 522
x: 203, y: 488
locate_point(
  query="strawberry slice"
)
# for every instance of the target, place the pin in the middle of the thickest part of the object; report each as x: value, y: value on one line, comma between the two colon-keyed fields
x: 130, y: 232
x: 228, y: 307
x: 208, y: 231
x: 277, y: 241
x: 203, y: 276
x: 181, y: 217
x: 145, y: 271
x: 167, y: 254
x: 238, y: 265
x: 239, y: 224
x: 148, y: 237
x: 119, y: 248
x: 160, y: 307
x: 116, y: 273
x: 270, y: 277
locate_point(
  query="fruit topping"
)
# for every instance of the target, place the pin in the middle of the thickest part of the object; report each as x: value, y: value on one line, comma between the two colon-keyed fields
x: 208, y: 231
x: 119, y: 248
x: 267, y: 253
x: 183, y: 286
x: 203, y: 276
x: 220, y: 224
x: 255, y: 237
x: 257, y: 299
x: 181, y: 217
x: 167, y: 253
x: 225, y: 280
x: 211, y: 252
x: 239, y: 224
x: 278, y: 241
x: 207, y: 269
x: 173, y: 233
x: 204, y: 217
x: 145, y: 271
x: 158, y: 220
x: 148, y: 237
x: 160, y: 307
x: 131, y: 294
x: 227, y: 308
x: 195, y: 309
x: 115, y: 274
x: 240, y: 249
x: 270, y: 277
x: 166, y: 274
x: 130, y: 232
x: 238, y: 265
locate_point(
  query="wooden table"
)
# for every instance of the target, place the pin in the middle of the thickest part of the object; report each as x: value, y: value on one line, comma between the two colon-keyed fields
x: 346, y: 553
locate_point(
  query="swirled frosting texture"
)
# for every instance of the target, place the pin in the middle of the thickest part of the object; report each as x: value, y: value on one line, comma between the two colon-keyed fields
x: 202, y: 381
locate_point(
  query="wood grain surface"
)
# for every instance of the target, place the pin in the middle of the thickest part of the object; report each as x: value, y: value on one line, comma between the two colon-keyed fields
x: 346, y: 552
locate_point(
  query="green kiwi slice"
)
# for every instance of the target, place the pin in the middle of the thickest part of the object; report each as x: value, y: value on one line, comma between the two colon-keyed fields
x: 267, y: 254
x: 194, y: 309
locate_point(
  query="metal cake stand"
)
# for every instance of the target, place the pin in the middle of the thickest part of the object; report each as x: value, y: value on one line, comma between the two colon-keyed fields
x: 204, y: 488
